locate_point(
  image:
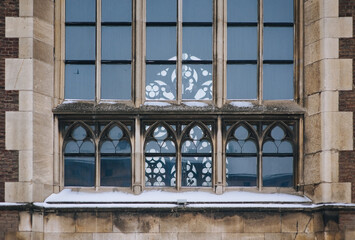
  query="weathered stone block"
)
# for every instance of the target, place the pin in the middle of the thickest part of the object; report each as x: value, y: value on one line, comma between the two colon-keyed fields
x: 114, y: 236
x: 243, y: 236
x: 37, y: 222
x: 322, y: 49
x: 262, y: 222
x: 93, y: 222
x: 197, y: 236
x: 68, y: 236
x: 25, y: 224
x: 59, y: 223
x: 142, y: 223
x: 18, y: 74
x: 297, y: 222
x: 317, y: 9
x: 17, y: 27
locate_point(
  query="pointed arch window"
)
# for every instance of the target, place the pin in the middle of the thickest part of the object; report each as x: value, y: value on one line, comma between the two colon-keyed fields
x: 79, y: 157
x: 278, y: 157
x: 196, y: 157
x: 115, y: 157
x: 242, y: 156
x: 160, y: 157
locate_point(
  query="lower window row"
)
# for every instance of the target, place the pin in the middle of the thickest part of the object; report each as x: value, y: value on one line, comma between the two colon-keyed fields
x: 180, y: 153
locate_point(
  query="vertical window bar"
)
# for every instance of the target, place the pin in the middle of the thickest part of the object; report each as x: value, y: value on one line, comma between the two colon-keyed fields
x: 179, y: 53
x: 260, y: 52
x: 260, y: 165
x: 178, y: 153
x: 98, y: 51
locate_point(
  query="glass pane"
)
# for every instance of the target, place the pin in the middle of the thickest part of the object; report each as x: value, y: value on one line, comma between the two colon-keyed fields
x: 241, y: 171
x: 79, y: 81
x: 152, y: 147
x: 160, y: 171
x: 160, y: 133
x: 242, y: 11
x: 108, y: 147
x: 197, y: 10
x: 116, y: 11
x: 115, y: 171
x: 204, y: 147
x: 161, y: 43
x: 123, y: 147
x: 168, y: 147
x: 277, y: 171
x: 71, y: 147
x: 160, y: 82
x: 278, y: 81
x: 79, y: 171
x: 188, y: 147
x: 116, y: 81
x: 87, y: 147
x: 80, y: 43
x: 285, y: 147
x: 161, y: 10
x: 278, y: 10
x: 242, y: 81
x: 233, y: 147
x: 79, y: 133
x: 242, y: 43
x: 197, y: 42
x: 196, y: 171
x: 278, y: 43
x: 249, y: 147
x: 116, y: 43
x: 197, y: 81
x: 80, y: 10
x: 115, y: 133
x: 241, y: 133
x: 270, y: 147
x: 277, y: 133
x: 196, y: 133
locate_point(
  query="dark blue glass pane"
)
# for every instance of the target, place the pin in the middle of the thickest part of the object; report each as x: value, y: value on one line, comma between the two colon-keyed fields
x: 197, y: 10
x: 242, y: 81
x: 79, y: 81
x: 278, y: 10
x: 80, y: 10
x: 79, y: 171
x: 80, y: 43
x: 242, y: 43
x: 115, y: 171
x: 161, y: 10
x: 160, y: 82
x: 197, y: 43
x: 161, y: 43
x: 116, y: 81
x: 278, y: 81
x: 277, y: 171
x: 116, y: 11
x: 278, y: 43
x: 197, y: 81
x: 242, y: 11
x: 116, y: 43
x: 241, y: 171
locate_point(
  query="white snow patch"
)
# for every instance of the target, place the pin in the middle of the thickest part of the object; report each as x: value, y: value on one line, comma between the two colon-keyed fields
x: 196, y: 104
x: 241, y: 104
x: 160, y: 104
x: 8, y: 204
x: 154, y: 196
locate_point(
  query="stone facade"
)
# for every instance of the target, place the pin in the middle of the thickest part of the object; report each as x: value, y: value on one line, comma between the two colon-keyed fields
x: 30, y: 157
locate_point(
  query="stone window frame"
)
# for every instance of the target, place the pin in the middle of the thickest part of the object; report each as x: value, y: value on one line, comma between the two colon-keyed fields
x: 137, y: 111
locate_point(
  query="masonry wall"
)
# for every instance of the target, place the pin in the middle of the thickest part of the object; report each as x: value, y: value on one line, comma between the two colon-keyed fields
x: 8, y: 99
x: 347, y: 98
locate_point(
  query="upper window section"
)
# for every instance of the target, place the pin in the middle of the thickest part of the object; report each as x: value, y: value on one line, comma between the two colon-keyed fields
x: 180, y: 50
x: 260, y: 52
x: 98, y: 43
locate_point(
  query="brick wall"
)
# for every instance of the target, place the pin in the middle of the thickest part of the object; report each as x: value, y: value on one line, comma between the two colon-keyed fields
x: 347, y: 98
x: 9, y: 221
x: 8, y: 99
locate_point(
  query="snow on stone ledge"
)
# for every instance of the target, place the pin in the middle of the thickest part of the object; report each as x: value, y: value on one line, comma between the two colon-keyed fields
x: 159, y: 104
x: 154, y: 196
x: 241, y: 104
